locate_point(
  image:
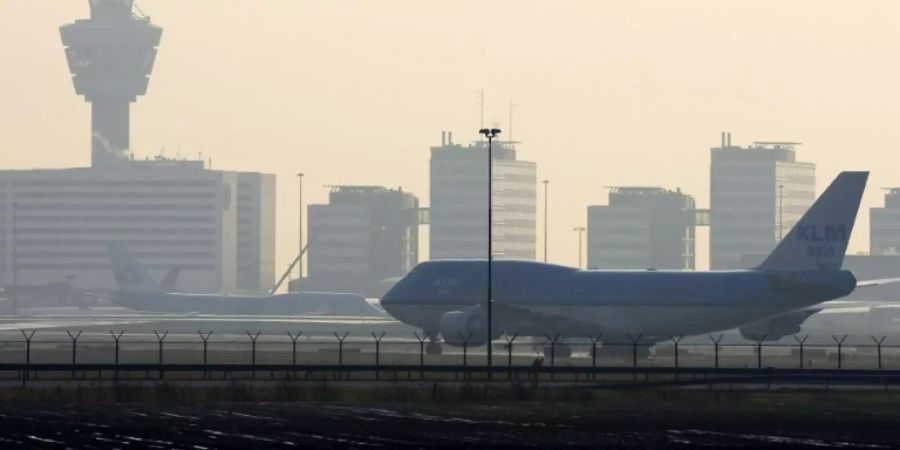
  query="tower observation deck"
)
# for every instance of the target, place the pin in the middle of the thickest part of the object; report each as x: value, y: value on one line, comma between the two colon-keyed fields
x: 110, y: 57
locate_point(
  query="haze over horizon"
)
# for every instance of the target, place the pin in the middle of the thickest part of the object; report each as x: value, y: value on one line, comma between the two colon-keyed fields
x: 606, y: 94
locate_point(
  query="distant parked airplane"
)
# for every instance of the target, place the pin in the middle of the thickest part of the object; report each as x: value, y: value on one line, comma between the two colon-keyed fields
x: 138, y: 290
x: 448, y: 298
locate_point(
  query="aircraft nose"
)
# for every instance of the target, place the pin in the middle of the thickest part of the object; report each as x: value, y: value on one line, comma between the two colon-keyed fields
x: 393, y: 295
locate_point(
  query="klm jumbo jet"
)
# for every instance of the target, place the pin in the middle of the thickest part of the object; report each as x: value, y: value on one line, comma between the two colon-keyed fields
x: 447, y: 298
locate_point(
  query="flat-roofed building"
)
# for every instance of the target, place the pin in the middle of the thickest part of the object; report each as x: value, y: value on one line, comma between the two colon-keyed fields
x: 170, y: 214
x: 884, y: 225
x: 640, y: 228
x: 459, y: 202
x: 757, y: 194
x: 255, y: 258
x: 365, y: 238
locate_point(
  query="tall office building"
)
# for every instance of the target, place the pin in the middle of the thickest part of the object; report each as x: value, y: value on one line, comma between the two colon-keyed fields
x: 884, y: 226
x: 459, y: 205
x: 362, y: 240
x: 757, y: 194
x: 170, y: 214
x: 640, y: 228
x: 255, y: 234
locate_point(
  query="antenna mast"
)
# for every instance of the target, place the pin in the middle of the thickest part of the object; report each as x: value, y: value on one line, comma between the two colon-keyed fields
x: 480, y: 95
x: 511, y: 105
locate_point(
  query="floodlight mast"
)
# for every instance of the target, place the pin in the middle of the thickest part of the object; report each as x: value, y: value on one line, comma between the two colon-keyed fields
x: 490, y: 134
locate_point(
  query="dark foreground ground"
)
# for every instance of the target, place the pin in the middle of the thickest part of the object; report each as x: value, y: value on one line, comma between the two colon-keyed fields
x: 647, y: 419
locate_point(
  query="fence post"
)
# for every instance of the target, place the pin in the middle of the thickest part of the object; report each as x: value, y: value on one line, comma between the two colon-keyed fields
x: 421, y: 340
x: 340, y: 339
x: 465, y: 341
x: 509, y: 351
x: 634, y: 346
x: 205, y: 339
x: 801, y: 342
x: 676, y: 340
x: 74, y: 338
x: 759, y: 344
x: 378, y: 338
x: 594, y: 340
x: 716, y: 341
x: 253, y: 338
x: 161, y: 338
x: 28, y: 337
x: 552, y: 340
x: 840, y: 343
x: 116, y: 337
x: 878, y: 343
x: 294, y: 339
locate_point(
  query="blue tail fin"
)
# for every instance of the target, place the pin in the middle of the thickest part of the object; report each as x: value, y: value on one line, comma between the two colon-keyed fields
x: 819, y: 240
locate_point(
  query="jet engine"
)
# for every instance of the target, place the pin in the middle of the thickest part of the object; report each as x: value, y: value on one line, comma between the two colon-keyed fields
x: 459, y: 326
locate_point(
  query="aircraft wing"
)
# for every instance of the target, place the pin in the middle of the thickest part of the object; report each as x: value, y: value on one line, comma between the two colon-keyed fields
x: 789, y: 323
x: 512, y: 319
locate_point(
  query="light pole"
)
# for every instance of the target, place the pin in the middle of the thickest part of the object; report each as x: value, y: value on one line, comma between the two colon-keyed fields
x: 490, y: 134
x: 15, y: 255
x: 300, y: 229
x: 580, y: 231
x: 546, y: 200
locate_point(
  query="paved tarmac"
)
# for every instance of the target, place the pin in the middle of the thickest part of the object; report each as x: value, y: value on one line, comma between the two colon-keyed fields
x: 433, y: 425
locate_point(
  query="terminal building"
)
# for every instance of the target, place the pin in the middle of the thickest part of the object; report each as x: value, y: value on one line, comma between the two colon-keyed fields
x: 459, y: 202
x: 362, y: 241
x: 640, y: 228
x: 757, y: 194
x: 216, y: 227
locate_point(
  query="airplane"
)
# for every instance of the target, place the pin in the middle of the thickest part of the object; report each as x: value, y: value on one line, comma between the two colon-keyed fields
x: 447, y: 298
x: 139, y: 291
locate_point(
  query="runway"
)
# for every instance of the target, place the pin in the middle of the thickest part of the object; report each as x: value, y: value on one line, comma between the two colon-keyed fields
x: 121, y: 319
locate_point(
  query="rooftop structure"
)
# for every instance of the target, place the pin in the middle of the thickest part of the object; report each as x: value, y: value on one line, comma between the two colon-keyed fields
x: 110, y: 57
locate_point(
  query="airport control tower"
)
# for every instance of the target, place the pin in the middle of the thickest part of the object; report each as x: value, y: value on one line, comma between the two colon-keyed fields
x: 111, y: 57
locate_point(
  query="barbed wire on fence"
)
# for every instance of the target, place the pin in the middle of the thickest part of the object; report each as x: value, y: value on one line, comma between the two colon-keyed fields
x: 798, y: 351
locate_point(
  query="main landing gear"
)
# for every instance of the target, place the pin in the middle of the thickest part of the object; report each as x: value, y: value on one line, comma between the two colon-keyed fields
x: 557, y: 351
x: 433, y: 347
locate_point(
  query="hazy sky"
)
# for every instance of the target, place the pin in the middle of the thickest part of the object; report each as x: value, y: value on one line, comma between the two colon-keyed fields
x: 355, y: 92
